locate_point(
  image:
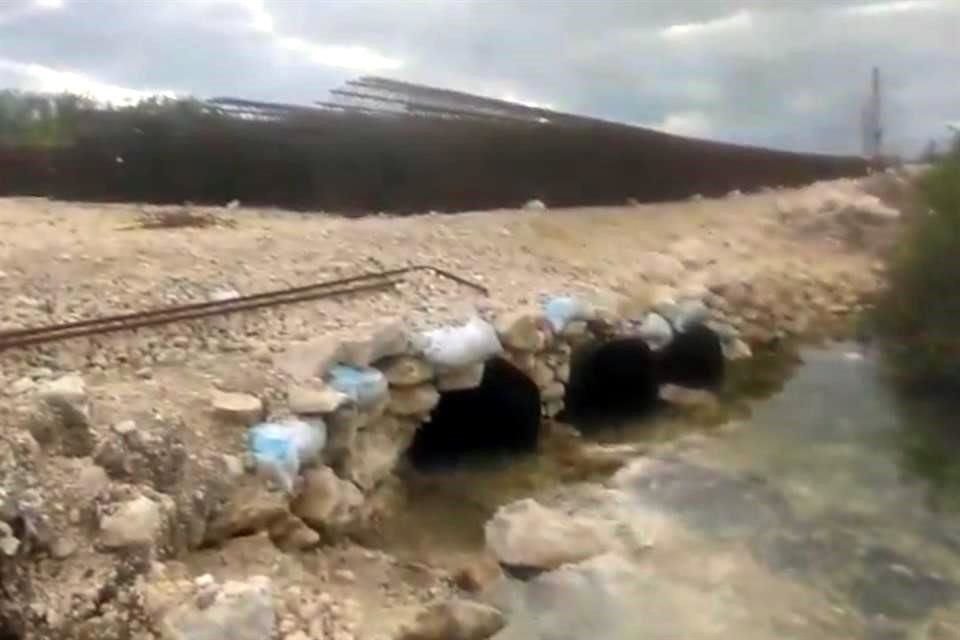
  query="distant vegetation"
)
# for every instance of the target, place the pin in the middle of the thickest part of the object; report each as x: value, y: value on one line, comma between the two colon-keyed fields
x: 44, y: 120
x: 919, y: 313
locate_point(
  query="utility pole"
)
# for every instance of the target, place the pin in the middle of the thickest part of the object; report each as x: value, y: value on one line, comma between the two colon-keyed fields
x: 872, y: 118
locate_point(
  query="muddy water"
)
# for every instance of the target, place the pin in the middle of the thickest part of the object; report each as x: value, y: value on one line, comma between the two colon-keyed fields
x: 829, y: 509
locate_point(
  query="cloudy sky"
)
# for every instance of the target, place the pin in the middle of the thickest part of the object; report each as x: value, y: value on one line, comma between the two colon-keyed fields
x: 783, y: 73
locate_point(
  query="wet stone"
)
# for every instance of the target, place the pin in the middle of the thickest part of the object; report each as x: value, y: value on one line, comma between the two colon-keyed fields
x: 893, y: 586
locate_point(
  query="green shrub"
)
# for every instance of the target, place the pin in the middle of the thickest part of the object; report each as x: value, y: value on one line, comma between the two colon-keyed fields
x: 919, y: 313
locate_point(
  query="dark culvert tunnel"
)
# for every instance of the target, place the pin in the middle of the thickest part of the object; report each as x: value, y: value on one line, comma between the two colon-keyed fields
x: 610, y: 380
x: 501, y: 416
x: 620, y: 378
x: 693, y: 359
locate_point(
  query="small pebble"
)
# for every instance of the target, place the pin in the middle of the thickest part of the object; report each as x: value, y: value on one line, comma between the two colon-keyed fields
x: 125, y: 426
x: 345, y: 575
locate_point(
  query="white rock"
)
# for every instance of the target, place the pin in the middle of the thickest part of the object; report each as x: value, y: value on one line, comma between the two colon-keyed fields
x: 237, y: 407
x: 21, y: 386
x: 125, y: 426
x: 737, y: 350
x: 688, y: 314
x: 461, y: 379
x: 527, y: 534
x: 655, y: 331
x: 316, y: 399
x: 371, y: 342
x: 535, y: 205
x: 135, y: 522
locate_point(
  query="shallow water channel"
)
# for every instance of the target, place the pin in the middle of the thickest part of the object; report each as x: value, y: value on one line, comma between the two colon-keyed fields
x: 827, y: 509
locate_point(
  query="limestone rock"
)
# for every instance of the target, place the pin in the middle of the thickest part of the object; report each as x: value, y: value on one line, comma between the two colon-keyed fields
x: 342, y: 428
x: 241, y: 408
x: 372, y: 342
x: 327, y: 502
x: 250, y: 507
x: 552, y: 392
x: 552, y: 408
x: 534, y: 205
x: 522, y: 360
x: 660, y: 267
x: 406, y: 371
x: 151, y: 453
x: 526, y: 534
x: 542, y: 374
x: 563, y: 372
x: 524, y: 330
x: 312, y: 359
x: 454, y: 619
x: 413, y: 401
x: 477, y: 573
x: 688, y: 314
x: 686, y: 397
x: 574, y: 329
x: 655, y: 331
x: 59, y: 423
x: 315, y: 399
x: 377, y: 449
x: 70, y: 389
x: 291, y: 533
x: 240, y: 611
x: 461, y: 379
x: 134, y: 523
x: 737, y: 350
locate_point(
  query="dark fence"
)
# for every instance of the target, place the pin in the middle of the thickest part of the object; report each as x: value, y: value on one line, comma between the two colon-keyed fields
x: 356, y: 162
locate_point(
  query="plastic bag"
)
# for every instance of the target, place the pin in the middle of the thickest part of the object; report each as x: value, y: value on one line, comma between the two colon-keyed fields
x: 563, y: 310
x: 461, y: 346
x: 281, y: 448
x: 365, y: 386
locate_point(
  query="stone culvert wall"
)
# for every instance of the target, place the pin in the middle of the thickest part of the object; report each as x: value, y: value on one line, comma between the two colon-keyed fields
x: 366, y: 443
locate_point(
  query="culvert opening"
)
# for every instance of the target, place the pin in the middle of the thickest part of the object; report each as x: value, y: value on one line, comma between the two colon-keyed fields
x: 693, y: 359
x: 620, y: 378
x: 500, y: 416
x: 610, y: 380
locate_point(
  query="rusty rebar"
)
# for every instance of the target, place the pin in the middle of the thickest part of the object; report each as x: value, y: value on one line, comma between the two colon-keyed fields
x: 366, y: 282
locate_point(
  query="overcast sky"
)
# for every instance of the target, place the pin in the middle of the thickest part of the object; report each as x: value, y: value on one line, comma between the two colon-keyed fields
x: 783, y: 73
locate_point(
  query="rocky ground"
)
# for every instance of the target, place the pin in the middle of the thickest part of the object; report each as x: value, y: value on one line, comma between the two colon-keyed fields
x: 127, y: 509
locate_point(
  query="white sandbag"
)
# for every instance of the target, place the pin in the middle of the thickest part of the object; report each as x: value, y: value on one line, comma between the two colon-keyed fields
x: 461, y: 346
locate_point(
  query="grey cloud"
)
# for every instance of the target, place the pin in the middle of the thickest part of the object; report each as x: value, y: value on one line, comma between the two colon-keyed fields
x: 793, y: 76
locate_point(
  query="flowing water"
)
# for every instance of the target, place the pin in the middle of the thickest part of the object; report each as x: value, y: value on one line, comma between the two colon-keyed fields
x: 829, y: 509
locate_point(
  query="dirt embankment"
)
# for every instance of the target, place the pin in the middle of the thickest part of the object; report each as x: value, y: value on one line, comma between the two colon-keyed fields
x: 119, y: 487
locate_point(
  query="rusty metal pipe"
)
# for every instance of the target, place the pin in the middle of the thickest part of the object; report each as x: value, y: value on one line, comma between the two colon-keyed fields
x: 366, y: 282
